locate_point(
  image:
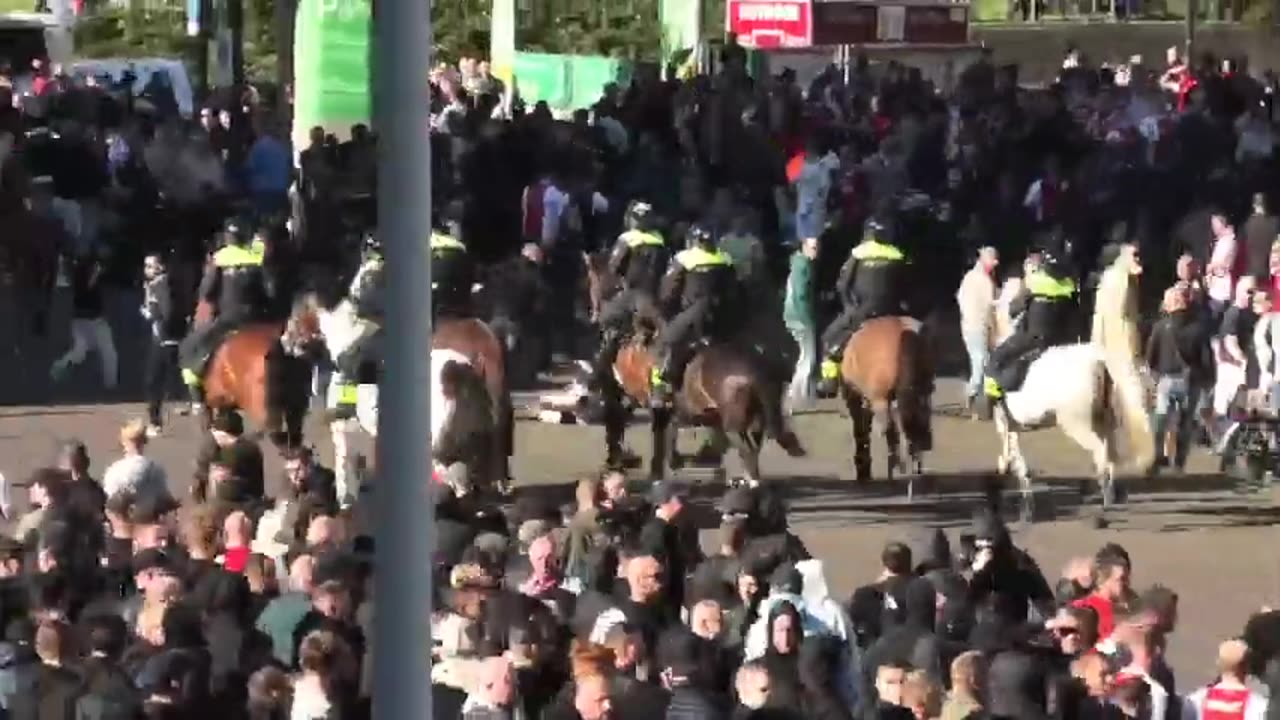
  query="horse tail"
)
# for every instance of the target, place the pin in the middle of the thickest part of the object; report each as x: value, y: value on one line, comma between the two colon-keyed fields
x: 768, y: 398
x: 1129, y: 409
x: 913, y: 390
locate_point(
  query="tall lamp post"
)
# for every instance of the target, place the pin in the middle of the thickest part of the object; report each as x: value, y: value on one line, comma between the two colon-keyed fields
x: 404, y: 514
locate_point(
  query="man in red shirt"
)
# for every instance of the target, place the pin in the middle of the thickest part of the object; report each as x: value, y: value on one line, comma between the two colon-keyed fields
x: 1110, y: 588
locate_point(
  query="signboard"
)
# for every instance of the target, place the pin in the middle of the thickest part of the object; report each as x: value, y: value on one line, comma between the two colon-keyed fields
x: 892, y: 22
x: 764, y: 24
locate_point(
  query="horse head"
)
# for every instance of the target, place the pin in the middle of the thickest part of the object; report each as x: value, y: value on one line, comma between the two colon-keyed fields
x: 303, y: 331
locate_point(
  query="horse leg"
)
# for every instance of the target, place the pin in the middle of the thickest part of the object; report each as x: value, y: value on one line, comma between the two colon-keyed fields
x: 748, y: 447
x: 1011, y: 460
x: 1084, y: 431
x: 861, y: 419
x: 892, y: 439
x: 660, y: 425
x: 345, y: 477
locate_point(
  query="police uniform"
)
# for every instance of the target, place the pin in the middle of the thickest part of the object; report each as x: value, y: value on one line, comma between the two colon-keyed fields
x: 639, y: 258
x: 872, y: 284
x: 366, y: 295
x: 236, y: 284
x: 452, y: 275
x: 704, y: 281
x: 1046, y: 307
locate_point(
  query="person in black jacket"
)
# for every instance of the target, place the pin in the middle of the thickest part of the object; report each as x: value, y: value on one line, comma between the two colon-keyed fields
x: 167, y: 326
x: 1172, y: 351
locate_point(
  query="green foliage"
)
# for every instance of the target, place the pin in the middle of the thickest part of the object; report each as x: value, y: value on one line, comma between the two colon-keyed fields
x: 134, y: 31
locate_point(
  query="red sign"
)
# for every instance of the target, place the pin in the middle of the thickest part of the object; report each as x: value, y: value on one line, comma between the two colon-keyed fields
x: 770, y: 23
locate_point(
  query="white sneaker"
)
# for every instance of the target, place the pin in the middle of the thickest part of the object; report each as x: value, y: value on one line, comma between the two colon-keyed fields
x: 153, y: 432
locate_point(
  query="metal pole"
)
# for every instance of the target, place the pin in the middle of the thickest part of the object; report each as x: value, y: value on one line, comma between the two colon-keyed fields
x: 1193, y: 9
x: 404, y: 512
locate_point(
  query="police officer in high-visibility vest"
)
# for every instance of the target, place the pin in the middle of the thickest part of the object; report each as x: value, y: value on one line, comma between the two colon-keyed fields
x: 366, y: 294
x: 872, y: 283
x: 452, y: 273
x: 236, y: 284
x: 1045, y: 305
x: 702, y: 281
x: 639, y: 259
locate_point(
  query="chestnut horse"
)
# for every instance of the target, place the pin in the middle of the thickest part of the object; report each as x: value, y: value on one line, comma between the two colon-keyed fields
x: 726, y: 388
x: 476, y: 341
x: 887, y: 372
x: 251, y: 372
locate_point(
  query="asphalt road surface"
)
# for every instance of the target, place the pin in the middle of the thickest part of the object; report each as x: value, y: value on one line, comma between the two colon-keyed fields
x: 1204, y: 535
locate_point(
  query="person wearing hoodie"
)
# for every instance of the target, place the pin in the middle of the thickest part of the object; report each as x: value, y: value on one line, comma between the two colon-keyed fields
x: 782, y: 656
x: 681, y: 675
x: 912, y: 643
x: 819, y: 662
x: 1005, y: 586
x: 933, y: 561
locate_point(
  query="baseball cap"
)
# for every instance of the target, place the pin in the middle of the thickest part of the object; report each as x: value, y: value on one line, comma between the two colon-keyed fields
x: 664, y: 491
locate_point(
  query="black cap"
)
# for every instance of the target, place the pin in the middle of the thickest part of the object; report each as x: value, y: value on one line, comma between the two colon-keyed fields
x: 738, y: 501
x: 150, y: 507
x: 152, y: 559
x: 678, y: 652
x: 229, y: 422
x: 664, y: 491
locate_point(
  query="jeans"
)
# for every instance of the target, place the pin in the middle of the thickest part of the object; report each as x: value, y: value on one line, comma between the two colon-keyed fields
x: 801, y: 393
x: 159, y: 376
x: 90, y: 334
x: 1174, y: 394
x: 975, y: 344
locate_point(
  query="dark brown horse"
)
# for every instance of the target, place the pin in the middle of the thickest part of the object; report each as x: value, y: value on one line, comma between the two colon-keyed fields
x: 249, y: 371
x: 726, y: 388
x: 887, y: 372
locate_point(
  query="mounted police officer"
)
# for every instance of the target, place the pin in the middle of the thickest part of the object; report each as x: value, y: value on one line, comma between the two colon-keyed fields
x: 701, y: 279
x: 366, y: 294
x: 1045, y: 305
x: 452, y: 272
x: 639, y: 259
x: 236, y: 284
x: 872, y: 283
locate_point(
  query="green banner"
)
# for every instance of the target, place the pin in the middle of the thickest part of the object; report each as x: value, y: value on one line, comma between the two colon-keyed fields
x: 681, y: 26
x: 331, y: 67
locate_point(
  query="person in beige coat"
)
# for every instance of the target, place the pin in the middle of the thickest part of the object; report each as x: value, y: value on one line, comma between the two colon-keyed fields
x: 1118, y: 288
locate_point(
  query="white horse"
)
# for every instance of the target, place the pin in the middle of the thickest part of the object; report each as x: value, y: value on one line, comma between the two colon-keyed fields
x: 1093, y: 391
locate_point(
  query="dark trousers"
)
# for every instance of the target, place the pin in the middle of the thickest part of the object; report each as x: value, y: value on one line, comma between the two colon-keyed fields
x: 676, y: 343
x: 159, y: 376
x: 1003, y: 363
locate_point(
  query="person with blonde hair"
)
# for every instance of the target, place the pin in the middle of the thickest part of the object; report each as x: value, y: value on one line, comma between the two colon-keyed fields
x: 967, y: 679
x: 1231, y: 696
x: 922, y: 695
x: 135, y: 473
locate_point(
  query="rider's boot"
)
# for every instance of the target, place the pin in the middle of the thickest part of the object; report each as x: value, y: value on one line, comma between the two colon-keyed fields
x: 660, y: 390
x: 343, y: 396
x: 195, y: 391
x: 829, y: 376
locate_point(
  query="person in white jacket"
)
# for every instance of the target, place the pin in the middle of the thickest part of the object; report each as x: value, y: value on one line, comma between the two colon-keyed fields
x: 1233, y: 695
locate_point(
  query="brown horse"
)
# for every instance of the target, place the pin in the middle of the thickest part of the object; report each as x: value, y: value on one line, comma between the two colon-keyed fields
x: 726, y: 388
x: 474, y: 339
x: 250, y: 371
x: 887, y: 372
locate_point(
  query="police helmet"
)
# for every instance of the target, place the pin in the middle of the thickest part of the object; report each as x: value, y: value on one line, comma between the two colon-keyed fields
x: 699, y: 234
x: 236, y: 231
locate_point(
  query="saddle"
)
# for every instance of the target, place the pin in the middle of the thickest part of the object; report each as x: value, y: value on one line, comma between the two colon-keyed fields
x: 1011, y: 376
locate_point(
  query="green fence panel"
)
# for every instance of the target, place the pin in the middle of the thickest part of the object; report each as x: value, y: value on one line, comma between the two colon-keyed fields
x: 590, y: 73
x: 543, y: 77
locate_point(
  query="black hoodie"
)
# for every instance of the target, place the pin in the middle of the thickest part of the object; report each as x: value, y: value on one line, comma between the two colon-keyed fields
x: 913, y: 642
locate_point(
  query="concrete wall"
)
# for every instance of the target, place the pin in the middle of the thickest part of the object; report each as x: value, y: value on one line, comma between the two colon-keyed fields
x: 1038, y: 49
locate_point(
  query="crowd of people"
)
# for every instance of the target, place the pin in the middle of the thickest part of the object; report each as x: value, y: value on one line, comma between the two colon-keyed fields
x: 120, y: 601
